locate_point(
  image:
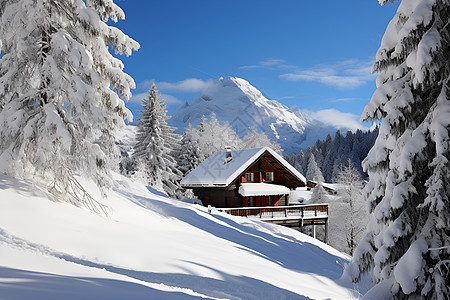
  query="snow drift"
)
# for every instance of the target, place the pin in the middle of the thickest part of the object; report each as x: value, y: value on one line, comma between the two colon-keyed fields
x: 152, y: 246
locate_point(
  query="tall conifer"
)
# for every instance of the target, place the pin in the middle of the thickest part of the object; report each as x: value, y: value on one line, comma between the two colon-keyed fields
x: 155, y: 146
x: 61, y: 91
x: 407, y: 243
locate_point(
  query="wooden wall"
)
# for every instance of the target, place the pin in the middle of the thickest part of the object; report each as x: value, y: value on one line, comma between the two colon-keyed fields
x: 219, y: 197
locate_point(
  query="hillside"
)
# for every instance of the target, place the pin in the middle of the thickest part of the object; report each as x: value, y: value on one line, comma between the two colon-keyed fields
x: 153, y: 247
x: 236, y: 101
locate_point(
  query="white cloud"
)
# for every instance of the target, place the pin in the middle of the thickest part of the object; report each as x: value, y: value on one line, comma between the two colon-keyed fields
x: 137, y: 98
x: 347, y: 74
x: 271, y: 64
x: 192, y: 85
x: 286, y: 98
x: 146, y: 84
x: 337, y: 119
x: 342, y: 82
x: 344, y: 100
x: 169, y: 99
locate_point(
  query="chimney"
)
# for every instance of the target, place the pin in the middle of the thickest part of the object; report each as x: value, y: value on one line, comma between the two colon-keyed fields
x: 228, y: 156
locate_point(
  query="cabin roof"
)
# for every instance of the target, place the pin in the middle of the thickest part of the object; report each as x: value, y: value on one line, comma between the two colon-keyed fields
x: 330, y: 186
x: 214, y: 172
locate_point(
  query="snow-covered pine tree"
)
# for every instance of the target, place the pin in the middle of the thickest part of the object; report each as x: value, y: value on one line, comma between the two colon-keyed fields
x: 407, y: 243
x: 353, y: 216
x: 188, y: 152
x: 227, y: 137
x: 255, y: 139
x: 319, y: 195
x: 342, y: 154
x: 357, y: 150
x: 155, y: 144
x: 296, y: 160
x: 314, y: 172
x: 211, y: 136
x: 209, y: 139
x: 60, y: 91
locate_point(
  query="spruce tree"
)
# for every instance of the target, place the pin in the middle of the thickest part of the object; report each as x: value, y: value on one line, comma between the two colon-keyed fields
x: 61, y: 91
x: 155, y: 145
x: 314, y: 172
x: 407, y: 243
x: 354, y: 216
x: 211, y: 136
x: 254, y: 139
x: 188, y: 152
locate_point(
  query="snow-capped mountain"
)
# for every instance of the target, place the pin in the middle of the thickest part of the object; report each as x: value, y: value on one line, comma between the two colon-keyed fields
x: 244, y: 107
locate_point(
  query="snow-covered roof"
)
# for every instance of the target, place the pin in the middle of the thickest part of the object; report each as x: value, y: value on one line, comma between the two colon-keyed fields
x: 330, y: 186
x: 214, y: 172
x: 262, y: 189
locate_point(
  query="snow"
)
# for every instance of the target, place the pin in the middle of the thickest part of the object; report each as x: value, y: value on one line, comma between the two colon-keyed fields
x: 127, y: 135
x: 153, y: 247
x: 215, y: 172
x: 236, y: 101
x: 22, y: 277
x: 331, y: 186
x: 299, y: 195
x: 250, y: 189
x: 407, y: 269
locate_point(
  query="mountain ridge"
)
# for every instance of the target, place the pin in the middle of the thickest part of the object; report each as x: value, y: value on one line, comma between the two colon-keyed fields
x: 244, y: 107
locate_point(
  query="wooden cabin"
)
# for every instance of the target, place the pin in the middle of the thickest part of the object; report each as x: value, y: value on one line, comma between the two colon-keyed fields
x: 244, y: 178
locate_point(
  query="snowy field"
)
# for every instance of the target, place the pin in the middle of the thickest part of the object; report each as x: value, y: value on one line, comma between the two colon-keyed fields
x: 152, y: 247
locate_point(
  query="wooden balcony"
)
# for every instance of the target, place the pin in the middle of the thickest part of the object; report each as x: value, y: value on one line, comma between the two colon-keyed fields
x: 305, y: 214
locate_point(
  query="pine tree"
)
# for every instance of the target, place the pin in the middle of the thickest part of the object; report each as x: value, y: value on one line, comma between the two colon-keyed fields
x: 330, y: 157
x: 188, y: 153
x: 354, y: 215
x: 319, y: 195
x: 356, y: 153
x: 407, y: 243
x: 296, y: 160
x: 155, y: 145
x: 60, y: 92
x: 254, y: 139
x: 314, y: 172
x: 204, y: 137
x: 211, y: 136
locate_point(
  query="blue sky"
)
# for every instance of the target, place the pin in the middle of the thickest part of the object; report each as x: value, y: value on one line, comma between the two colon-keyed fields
x: 313, y: 54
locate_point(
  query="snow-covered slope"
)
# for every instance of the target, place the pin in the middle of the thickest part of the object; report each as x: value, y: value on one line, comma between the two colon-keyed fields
x: 236, y: 101
x: 155, y: 248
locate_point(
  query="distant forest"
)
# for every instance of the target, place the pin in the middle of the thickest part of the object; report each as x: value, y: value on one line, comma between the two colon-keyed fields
x: 331, y: 153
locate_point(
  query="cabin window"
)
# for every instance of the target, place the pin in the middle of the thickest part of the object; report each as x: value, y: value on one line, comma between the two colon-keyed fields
x: 269, y: 176
x: 249, y: 177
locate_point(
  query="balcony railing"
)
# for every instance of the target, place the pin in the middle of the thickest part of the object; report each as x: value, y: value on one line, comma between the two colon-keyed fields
x: 305, y: 212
